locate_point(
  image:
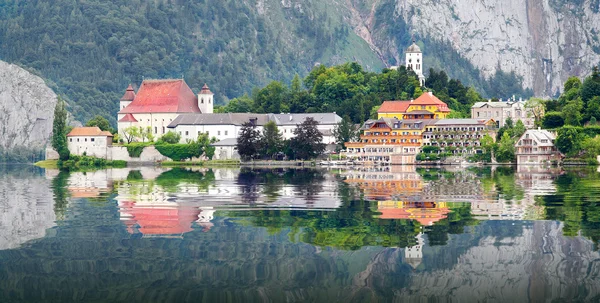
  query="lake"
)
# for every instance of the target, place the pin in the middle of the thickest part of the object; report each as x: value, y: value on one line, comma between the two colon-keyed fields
x: 388, y: 234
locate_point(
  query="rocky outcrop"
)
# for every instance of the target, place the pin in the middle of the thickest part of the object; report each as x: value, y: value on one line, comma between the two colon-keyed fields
x: 544, y: 41
x: 26, y: 109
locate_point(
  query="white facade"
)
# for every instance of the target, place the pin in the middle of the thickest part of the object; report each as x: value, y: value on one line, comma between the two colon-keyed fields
x: 221, y: 132
x: 157, y: 122
x: 206, y: 100
x: 96, y: 146
x: 501, y: 111
x: 414, y: 61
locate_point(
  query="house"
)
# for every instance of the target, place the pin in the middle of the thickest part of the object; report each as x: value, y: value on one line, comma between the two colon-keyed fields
x: 427, y: 106
x: 388, y: 140
x: 158, y: 102
x: 226, y: 149
x: 90, y: 141
x: 501, y: 111
x: 536, y: 146
x: 461, y: 135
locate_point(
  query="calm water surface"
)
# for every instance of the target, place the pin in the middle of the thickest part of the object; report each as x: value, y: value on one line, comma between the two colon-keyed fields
x: 299, y: 235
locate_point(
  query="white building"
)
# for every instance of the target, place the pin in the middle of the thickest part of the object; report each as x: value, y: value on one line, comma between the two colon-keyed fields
x: 414, y: 61
x: 501, y: 111
x: 228, y: 125
x: 536, y: 146
x: 226, y: 149
x: 90, y: 141
x: 158, y: 102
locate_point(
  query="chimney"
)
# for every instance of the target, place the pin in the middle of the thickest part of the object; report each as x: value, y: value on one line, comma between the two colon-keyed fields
x: 411, y: 100
x: 431, y: 93
x: 291, y: 117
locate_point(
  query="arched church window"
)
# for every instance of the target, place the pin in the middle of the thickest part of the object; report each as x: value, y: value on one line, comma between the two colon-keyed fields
x: 202, y: 100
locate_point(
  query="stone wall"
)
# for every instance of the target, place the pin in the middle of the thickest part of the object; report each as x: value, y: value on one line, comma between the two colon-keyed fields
x: 149, y: 154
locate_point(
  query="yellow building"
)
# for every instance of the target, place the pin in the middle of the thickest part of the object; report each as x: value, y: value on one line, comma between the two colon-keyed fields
x: 427, y: 106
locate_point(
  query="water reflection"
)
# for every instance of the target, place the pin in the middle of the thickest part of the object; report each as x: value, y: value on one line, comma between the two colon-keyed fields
x: 255, y: 235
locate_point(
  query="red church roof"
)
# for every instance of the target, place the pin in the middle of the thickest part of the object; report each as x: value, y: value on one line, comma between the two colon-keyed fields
x: 163, y: 96
x: 129, y: 94
x: 394, y: 107
x: 128, y: 118
x: 159, y: 220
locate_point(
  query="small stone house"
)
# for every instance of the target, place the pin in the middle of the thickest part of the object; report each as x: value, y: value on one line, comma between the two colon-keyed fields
x: 90, y: 141
x: 536, y: 146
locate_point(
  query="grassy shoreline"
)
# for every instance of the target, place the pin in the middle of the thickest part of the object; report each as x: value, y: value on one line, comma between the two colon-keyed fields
x: 47, y: 164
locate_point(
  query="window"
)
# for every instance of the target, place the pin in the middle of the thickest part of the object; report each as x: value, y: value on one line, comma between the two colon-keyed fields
x: 163, y: 129
x: 225, y: 133
x: 186, y: 133
x: 156, y: 130
x: 92, y: 139
x: 218, y: 133
x: 70, y: 139
x: 202, y: 100
x: 199, y: 132
x: 85, y: 139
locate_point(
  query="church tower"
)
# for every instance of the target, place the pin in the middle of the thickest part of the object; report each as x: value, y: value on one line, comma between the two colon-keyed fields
x: 414, y: 61
x: 205, y: 100
x: 414, y: 255
x: 127, y: 97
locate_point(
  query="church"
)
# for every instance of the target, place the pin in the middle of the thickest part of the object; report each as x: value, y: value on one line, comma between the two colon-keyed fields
x: 158, y: 102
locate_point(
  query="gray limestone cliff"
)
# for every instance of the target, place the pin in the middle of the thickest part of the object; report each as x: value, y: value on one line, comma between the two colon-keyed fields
x: 544, y: 41
x: 26, y: 109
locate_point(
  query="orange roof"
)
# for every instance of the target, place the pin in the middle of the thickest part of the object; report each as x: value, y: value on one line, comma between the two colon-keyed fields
x: 128, y: 118
x: 88, y: 131
x: 163, y: 96
x: 129, y: 94
x: 429, y: 99
x: 394, y: 107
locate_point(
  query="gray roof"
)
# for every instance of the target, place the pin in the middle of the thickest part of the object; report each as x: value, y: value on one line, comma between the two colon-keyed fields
x: 491, y: 104
x: 293, y: 119
x: 461, y: 122
x: 413, y: 48
x: 218, y: 119
x: 226, y: 142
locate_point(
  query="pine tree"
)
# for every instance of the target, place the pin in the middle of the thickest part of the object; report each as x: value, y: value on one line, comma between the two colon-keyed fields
x: 308, y: 140
x: 248, y: 142
x: 59, y: 129
x: 272, y: 141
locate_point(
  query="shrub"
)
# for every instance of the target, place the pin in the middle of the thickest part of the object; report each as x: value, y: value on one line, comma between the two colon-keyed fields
x: 179, y: 152
x: 135, y: 149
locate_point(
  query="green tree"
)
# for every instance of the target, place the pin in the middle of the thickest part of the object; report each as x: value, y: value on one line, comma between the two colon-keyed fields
x: 170, y: 137
x: 131, y: 134
x: 59, y: 130
x: 518, y: 130
x: 307, y: 142
x: 572, y: 112
x: 147, y: 134
x: 505, y: 151
x: 101, y: 123
x: 553, y: 120
x: 591, y: 146
x: 537, y: 107
x: 248, y: 142
x: 373, y: 113
x: 569, y: 140
x: 271, y: 98
x: 344, y: 132
x: 272, y: 141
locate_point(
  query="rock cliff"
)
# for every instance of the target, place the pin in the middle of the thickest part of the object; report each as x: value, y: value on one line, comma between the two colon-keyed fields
x: 26, y: 109
x: 544, y: 41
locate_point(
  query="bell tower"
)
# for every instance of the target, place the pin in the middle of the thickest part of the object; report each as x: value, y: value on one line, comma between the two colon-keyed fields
x: 414, y: 61
x: 205, y: 100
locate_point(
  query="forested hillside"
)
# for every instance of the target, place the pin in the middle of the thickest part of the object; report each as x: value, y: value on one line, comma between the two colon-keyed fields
x: 90, y: 50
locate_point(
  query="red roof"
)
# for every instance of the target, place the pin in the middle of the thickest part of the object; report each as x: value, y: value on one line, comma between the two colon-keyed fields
x: 163, y: 96
x: 394, y: 107
x: 88, y: 131
x: 429, y: 99
x: 128, y: 118
x: 160, y: 220
x: 129, y: 94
